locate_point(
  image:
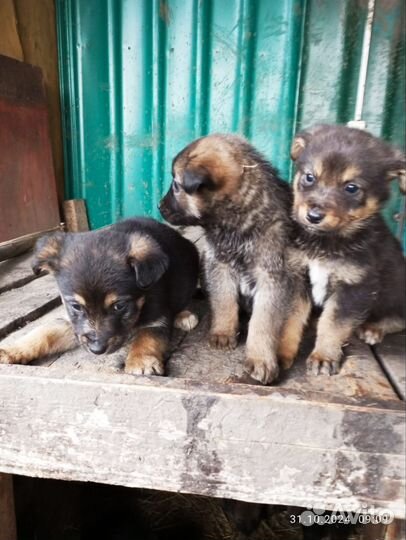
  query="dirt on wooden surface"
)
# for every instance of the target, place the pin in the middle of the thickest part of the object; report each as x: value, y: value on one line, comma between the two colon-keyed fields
x: 58, y: 510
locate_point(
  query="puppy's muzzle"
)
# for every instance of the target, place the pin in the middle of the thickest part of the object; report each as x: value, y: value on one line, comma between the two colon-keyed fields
x: 95, y: 344
x: 315, y: 215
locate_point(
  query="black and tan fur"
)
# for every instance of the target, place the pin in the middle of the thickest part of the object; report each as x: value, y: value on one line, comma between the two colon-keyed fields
x: 356, y: 267
x: 129, y: 284
x: 223, y: 184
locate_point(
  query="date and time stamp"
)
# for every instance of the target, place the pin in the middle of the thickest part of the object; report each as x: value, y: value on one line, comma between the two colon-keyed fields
x: 363, y: 516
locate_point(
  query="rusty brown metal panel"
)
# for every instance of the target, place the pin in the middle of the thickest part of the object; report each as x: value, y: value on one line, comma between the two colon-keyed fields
x: 28, y: 200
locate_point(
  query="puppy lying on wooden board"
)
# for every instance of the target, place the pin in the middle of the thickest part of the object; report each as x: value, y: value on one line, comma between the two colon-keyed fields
x: 130, y: 283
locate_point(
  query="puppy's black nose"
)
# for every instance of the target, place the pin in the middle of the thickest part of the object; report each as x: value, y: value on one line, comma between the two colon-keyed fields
x: 315, y: 215
x: 96, y: 346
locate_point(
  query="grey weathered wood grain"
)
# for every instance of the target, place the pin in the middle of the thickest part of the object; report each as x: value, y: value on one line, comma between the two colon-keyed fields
x: 361, y: 379
x: 269, y: 447
x: 16, y: 272
x: 360, y: 376
x: 18, y: 306
x: 392, y: 353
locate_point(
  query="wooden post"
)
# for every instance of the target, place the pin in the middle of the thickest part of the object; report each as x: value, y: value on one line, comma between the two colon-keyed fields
x: 8, y: 530
x: 75, y: 215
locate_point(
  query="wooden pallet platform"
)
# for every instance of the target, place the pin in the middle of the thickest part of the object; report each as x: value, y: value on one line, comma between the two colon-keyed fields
x: 328, y: 442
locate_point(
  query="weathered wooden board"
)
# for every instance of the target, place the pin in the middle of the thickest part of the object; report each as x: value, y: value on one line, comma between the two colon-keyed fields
x: 16, y: 272
x: 18, y: 306
x: 237, y: 441
x: 360, y: 377
x: 360, y: 381
x: 392, y: 354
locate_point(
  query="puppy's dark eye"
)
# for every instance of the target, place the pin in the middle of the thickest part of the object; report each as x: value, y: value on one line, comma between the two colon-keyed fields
x: 76, y: 307
x: 351, y: 188
x: 175, y: 186
x: 119, y: 306
x: 309, y: 179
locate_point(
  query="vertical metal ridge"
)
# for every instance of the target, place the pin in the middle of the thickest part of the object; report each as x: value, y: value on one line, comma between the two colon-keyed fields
x: 304, y: 45
x: 299, y: 80
x: 396, y: 78
x: 204, y: 37
x: 65, y: 40
x: 290, y: 76
x: 157, y: 110
x: 162, y: 19
x: 246, y: 65
x: 350, y: 80
x: 113, y: 28
x: 78, y: 126
x: 69, y: 75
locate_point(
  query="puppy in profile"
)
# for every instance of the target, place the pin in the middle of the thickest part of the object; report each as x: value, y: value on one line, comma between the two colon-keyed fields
x: 127, y: 284
x: 223, y: 184
x: 356, y: 267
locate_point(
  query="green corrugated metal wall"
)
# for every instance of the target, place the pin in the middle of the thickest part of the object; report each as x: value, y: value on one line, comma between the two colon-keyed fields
x: 142, y: 78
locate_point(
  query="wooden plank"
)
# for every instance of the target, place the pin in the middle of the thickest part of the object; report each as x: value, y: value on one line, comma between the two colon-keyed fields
x: 15, y: 247
x: 18, y: 306
x: 255, y: 444
x: 8, y: 530
x: 25, y: 140
x: 392, y: 354
x: 16, y: 272
x: 75, y: 215
x: 360, y: 378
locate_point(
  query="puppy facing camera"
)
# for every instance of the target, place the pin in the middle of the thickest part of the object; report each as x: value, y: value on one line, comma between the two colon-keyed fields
x: 355, y: 265
x: 119, y: 286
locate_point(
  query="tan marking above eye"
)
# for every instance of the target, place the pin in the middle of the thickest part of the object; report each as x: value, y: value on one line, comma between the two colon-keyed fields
x: 140, y: 246
x: 350, y: 173
x: 79, y: 299
x: 317, y: 168
x: 110, y: 299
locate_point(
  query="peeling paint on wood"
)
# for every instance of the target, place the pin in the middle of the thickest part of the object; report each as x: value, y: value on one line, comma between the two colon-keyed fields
x: 274, y: 449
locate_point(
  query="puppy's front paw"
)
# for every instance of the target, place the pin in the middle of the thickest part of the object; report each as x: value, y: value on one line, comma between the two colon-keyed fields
x: 12, y: 356
x: 145, y: 365
x: 318, y: 364
x: 186, y: 321
x: 261, y: 370
x: 370, y: 334
x: 223, y: 341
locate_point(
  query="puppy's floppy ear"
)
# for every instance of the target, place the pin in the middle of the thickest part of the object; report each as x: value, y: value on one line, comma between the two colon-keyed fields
x: 147, y: 259
x: 194, y: 179
x: 396, y: 168
x: 299, y: 143
x: 47, y: 253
